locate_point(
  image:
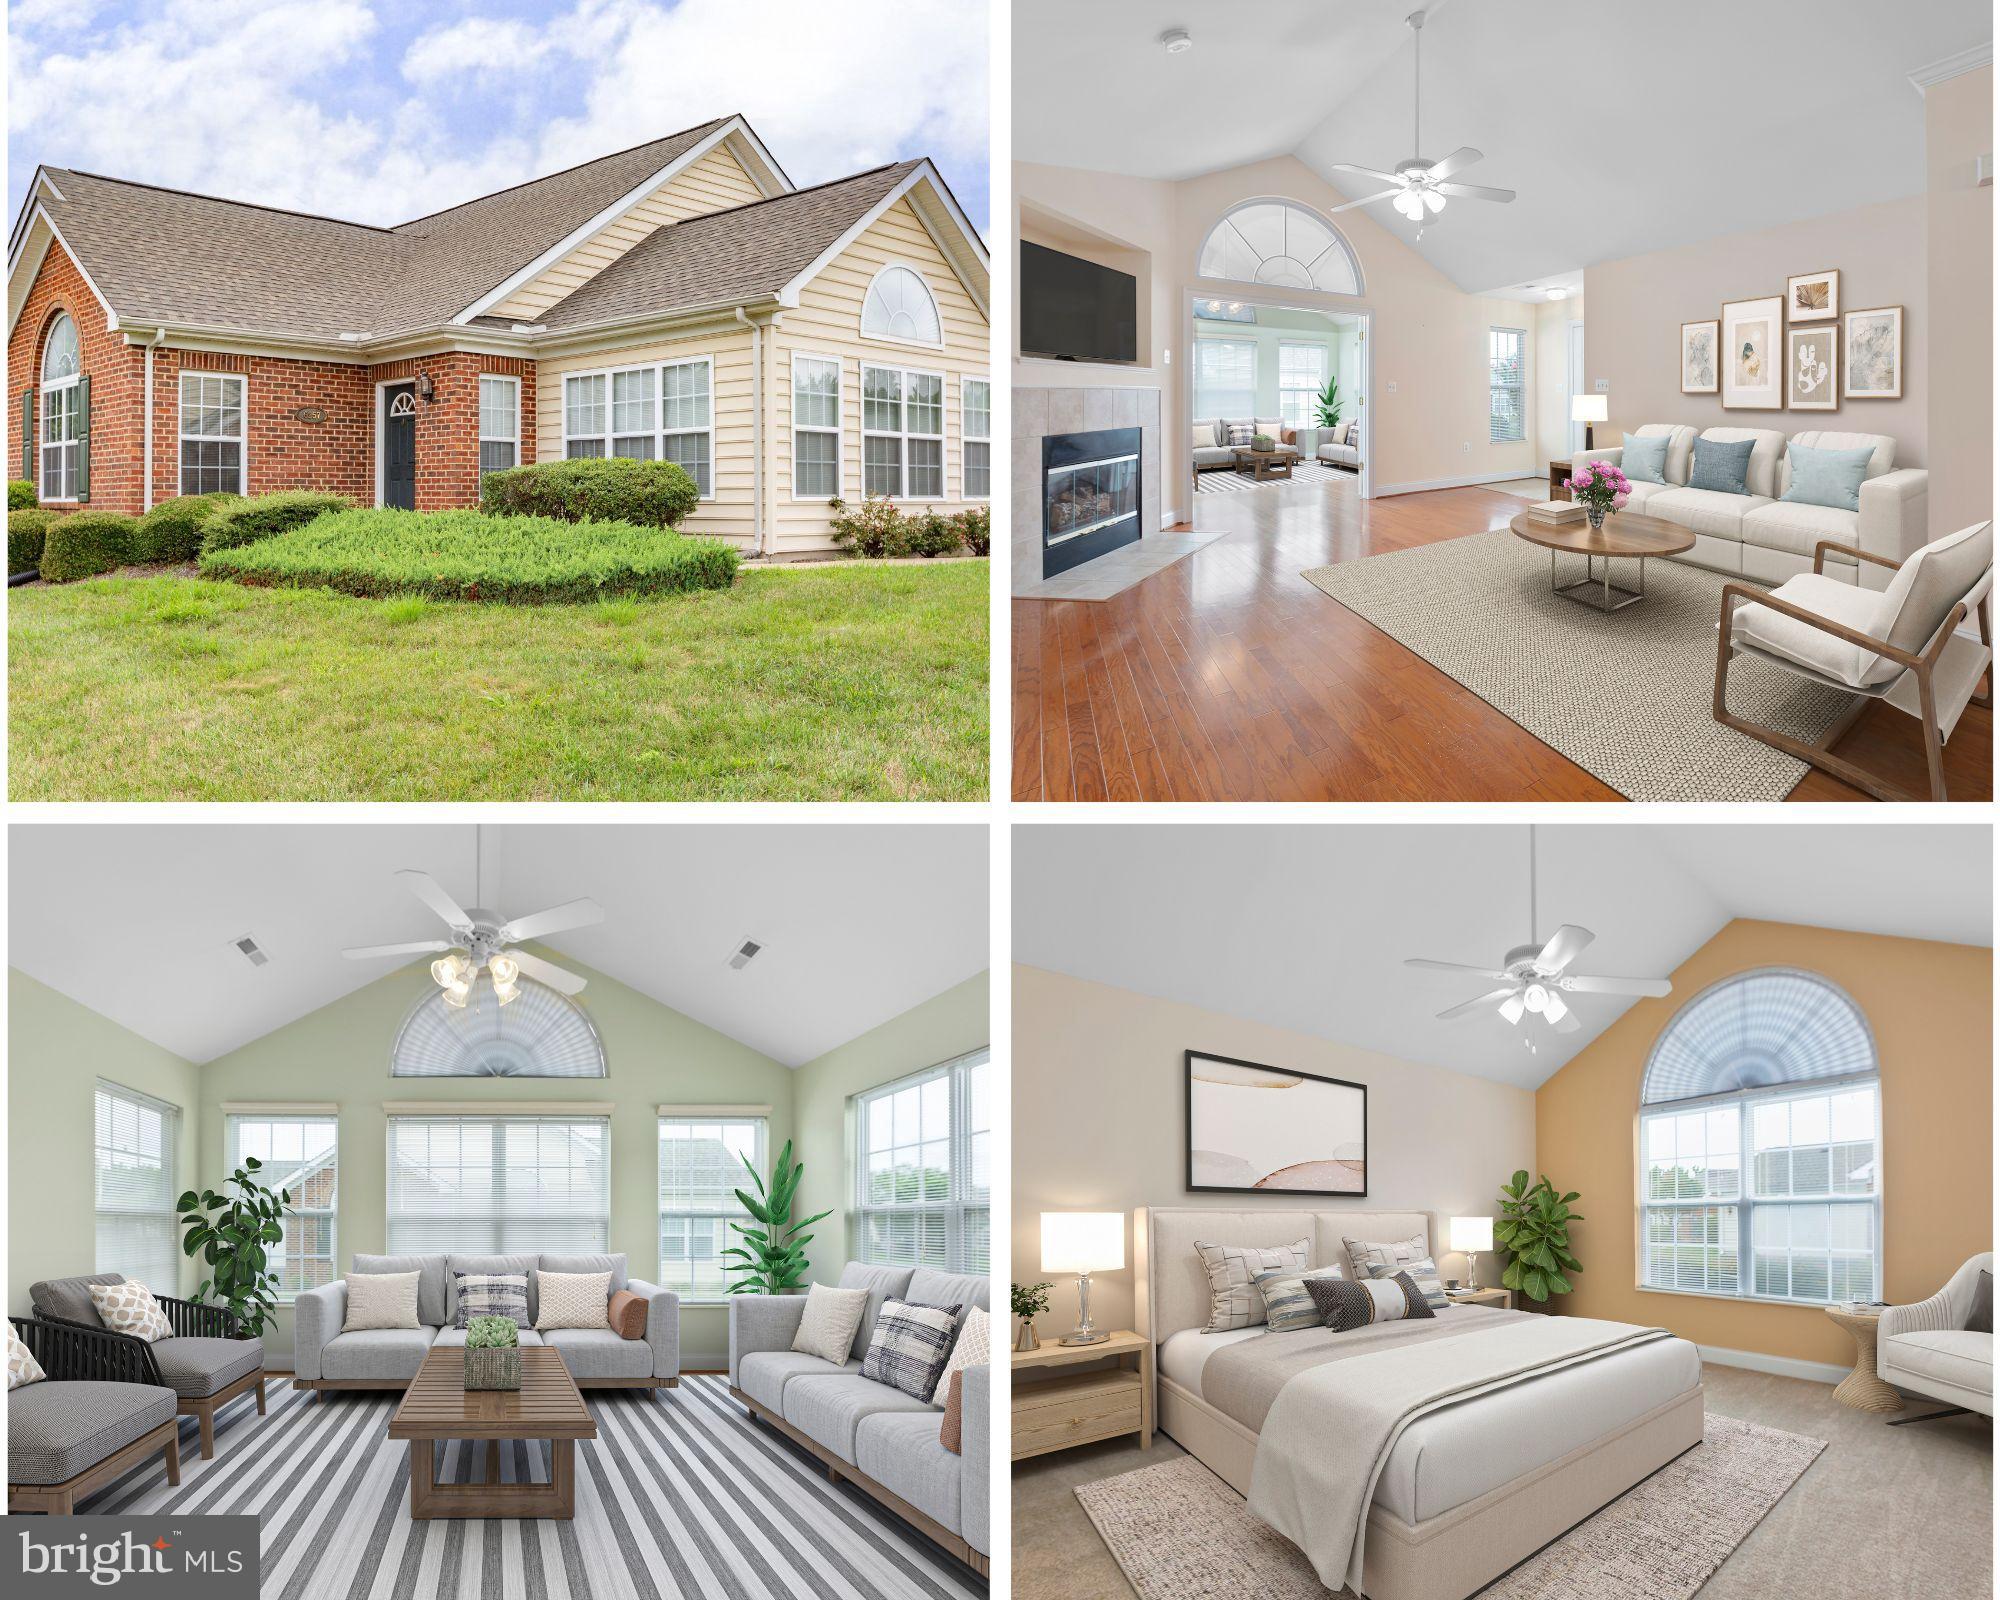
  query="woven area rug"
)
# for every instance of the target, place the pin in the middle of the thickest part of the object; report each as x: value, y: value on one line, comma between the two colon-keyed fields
x: 1219, y: 482
x: 1178, y: 1531
x: 1625, y: 696
x: 679, y: 1496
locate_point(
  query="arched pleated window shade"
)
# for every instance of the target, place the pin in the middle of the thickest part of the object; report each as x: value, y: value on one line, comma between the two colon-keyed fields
x: 1758, y: 1029
x: 1281, y: 243
x: 537, y: 1034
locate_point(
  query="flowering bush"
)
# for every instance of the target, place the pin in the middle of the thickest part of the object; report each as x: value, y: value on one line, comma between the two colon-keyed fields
x: 1601, y: 487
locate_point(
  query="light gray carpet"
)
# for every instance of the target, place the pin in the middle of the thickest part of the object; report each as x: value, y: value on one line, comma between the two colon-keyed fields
x: 1178, y: 1530
x: 1220, y: 482
x: 1625, y: 696
x: 677, y: 1497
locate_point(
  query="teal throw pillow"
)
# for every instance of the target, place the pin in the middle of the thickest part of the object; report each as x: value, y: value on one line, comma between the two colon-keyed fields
x: 1721, y: 467
x: 1827, y: 477
x: 1644, y: 460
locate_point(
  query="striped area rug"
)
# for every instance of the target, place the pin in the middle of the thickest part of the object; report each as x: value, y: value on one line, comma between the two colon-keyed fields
x: 679, y: 1498
x: 1216, y: 482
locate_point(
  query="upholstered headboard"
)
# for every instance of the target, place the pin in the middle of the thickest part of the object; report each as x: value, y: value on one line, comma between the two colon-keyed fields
x: 1172, y: 1288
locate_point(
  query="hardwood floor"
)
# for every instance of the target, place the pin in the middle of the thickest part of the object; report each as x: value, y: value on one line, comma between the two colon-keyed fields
x: 1229, y: 677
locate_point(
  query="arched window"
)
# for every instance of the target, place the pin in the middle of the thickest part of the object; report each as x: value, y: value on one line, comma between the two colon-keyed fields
x: 1760, y: 1145
x: 1282, y: 243
x: 62, y: 409
x: 899, y: 306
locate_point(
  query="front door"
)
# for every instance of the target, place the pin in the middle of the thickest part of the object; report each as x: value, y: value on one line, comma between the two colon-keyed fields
x: 399, y: 446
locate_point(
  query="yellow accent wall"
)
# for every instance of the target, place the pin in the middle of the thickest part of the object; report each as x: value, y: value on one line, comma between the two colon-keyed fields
x: 1930, y: 1007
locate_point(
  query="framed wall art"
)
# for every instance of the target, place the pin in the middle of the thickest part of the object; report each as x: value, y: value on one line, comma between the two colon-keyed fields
x: 1811, y: 355
x: 1752, y: 354
x: 1873, y: 353
x: 1698, y: 369
x: 1256, y: 1129
x: 1813, y: 297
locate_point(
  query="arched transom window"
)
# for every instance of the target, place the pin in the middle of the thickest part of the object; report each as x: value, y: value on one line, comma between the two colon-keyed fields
x: 899, y: 306
x: 1760, y: 1140
x: 1282, y: 243
x: 62, y: 409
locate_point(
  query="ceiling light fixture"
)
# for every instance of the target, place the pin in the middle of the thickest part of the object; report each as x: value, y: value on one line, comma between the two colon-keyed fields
x: 1177, y: 41
x: 1558, y: 294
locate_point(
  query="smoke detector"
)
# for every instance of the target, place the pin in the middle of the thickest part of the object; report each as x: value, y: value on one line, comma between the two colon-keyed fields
x: 1177, y: 41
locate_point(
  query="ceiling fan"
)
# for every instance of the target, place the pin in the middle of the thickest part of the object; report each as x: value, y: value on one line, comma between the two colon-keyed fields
x: 1417, y: 185
x: 482, y: 939
x: 1534, y: 977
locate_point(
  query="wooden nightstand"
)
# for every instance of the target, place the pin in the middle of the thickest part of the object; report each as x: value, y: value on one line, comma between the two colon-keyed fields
x: 1055, y: 1413
x: 1503, y: 1298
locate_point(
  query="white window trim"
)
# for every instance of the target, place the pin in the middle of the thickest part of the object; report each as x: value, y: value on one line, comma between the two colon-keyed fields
x: 660, y: 431
x: 1342, y: 242
x: 967, y: 437
x: 243, y: 452
x: 484, y: 441
x: 1520, y: 388
x: 762, y: 1119
x: 498, y: 1113
x: 955, y: 1207
x: 1326, y: 371
x: 43, y: 389
x: 232, y: 1158
x: 839, y: 430
x: 923, y: 277
x: 170, y: 1122
x: 943, y: 496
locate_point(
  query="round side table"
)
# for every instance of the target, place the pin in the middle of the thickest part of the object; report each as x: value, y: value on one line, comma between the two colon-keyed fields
x: 1861, y: 1389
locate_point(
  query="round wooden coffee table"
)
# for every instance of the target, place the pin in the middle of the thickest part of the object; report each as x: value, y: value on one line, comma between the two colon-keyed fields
x: 1863, y: 1388
x: 1625, y: 533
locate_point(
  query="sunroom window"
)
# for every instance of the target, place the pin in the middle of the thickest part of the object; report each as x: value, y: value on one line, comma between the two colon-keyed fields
x: 662, y: 412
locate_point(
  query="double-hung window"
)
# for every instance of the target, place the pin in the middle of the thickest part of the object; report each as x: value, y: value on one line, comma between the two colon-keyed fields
x: 134, y: 1158
x: 212, y: 433
x: 497, y: 1184
x: 585, y: 414
x: 815, y: 427
x: 701, y: 1168
x: 1507, y: 364
x: 61, y: 398
x: 1225, y: 378
x: 499, y: 424
x: 978, y: 439
x: 902, y: 433
x: 299, y: 1151
x: 662, y: 412
x: 922, y: 1160
x: 1302, y: 374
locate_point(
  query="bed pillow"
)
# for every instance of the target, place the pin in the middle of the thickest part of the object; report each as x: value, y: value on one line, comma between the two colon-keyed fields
x: 1345, y: 1304
x: 1407, y: 1255
x: 1287, y: 1304
x: 1232, y: 1281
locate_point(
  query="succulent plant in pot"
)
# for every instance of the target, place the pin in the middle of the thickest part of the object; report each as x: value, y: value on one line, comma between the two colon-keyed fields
x: 492, y: 1353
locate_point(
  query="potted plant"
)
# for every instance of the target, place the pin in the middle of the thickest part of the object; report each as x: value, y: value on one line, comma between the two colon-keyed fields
x: 1029, y: 1301
x: 1326, y: 417
x: 231, y: 1233
x: 492, y: 1353
x: 1602, y: 488
x: 776, y: 1262
x: 1534, y: 1224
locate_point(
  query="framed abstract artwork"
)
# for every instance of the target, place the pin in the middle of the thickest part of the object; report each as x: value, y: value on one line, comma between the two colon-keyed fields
x: 1874, y: 353
x: 1254, y: 1129
x: 1811, y: 355
x: 1813, y: 297
x: 1698, y: 369
x: 1753, y: 353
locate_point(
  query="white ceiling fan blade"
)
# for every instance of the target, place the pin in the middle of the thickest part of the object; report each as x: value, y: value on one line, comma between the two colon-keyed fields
x: 366, y: 952
x: 1457, y: 161
x: 1473, y: 191
x: 1455, y: 966
x: 1566, y: 1023
x: 1369, y: 201
x: 548, y: 972
x: 1489, y: 998
x: 1366, y: 172
x: 1654, y: 987
x: 1568, y: 942
x: 431, y: 892
x: 557, y: 919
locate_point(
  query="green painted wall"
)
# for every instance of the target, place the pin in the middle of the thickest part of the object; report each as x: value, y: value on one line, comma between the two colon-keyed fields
x: 56, y: 1052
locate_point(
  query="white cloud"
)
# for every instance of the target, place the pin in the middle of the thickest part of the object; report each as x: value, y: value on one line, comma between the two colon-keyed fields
x: 478, y: 45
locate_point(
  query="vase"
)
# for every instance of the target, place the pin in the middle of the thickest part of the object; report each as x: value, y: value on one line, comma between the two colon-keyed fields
x: 1025, y: 1339
x: 1594, y: 515
x: 493, y: 1369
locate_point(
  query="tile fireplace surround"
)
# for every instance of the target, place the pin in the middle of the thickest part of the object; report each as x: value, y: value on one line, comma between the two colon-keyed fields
x: 1041, y: 412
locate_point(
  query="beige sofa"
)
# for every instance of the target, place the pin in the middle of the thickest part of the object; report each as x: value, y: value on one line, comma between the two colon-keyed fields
x: 1762, y: 536
x: 1927, y: 1349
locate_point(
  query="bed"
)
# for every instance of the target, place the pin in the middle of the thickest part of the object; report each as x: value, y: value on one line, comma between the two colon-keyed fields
x: 1468, y: 1489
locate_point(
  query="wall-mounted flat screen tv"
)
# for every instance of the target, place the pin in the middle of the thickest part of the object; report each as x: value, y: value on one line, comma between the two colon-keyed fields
x: 1076, y: 310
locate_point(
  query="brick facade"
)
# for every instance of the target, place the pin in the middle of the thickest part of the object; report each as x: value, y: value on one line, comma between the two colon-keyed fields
x: 115, y: 372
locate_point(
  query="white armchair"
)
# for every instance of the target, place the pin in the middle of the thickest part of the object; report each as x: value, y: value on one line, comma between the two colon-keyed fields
x: 1927, y: 1347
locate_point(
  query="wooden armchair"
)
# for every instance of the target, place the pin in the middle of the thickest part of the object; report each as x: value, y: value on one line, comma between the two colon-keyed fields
x: 1900, y: 644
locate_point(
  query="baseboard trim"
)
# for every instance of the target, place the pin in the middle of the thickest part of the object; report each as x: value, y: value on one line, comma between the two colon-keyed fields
x: 1471, y: 481
x: 1777, y: 1366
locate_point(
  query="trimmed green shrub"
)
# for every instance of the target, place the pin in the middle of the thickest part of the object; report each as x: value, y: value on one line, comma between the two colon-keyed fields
x: 20, y: 495
x: 25, y: 532
x: 874, y: 528
x: 975, y: 529
x: 472, y: 555
x: 653, y: 494
x: 86, y: 543
x: 171, y: 531
x: 233, y: 526
x: 933, y: 534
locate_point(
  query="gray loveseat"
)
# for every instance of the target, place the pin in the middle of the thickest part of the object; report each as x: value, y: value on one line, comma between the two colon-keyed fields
x: 99, y: 1412
x: 388, y: 1358
x: 882, y: 1440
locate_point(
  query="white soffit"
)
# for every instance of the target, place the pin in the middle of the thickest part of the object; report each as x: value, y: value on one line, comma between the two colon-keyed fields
x: 1306, y: 927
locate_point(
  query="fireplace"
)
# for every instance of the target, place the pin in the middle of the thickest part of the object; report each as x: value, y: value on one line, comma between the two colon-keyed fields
x: 1091, y: 499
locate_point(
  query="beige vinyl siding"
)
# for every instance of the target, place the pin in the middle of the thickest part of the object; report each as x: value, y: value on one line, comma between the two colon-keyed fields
x: 827, y: 322
x: 717, y: 182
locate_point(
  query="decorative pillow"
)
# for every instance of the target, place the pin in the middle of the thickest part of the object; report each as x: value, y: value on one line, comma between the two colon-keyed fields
x: 1353, y: 432
x: 1645, y: 460
x: 1240, y: 434
x: 827, y: 1329
x: 1827, y: 477
x: 1346, y: 1305
x: 23, y: 1369
x: 974, y: 1349
x: 1424, y: 1273
x: 488, y: 1294
x: 572, y: 1299
x: 952, y: 1434
x: 1721, y: 467
x: 627, y: 1315
x: 1979, y: 1319
x: 1232, y: 1281
x: 1366, y: 1257
x: 911, y: 1345
x: 1204, y: 436
x: 129, y: 1307
x: 1287, y: 1304
x: 381, y: 1300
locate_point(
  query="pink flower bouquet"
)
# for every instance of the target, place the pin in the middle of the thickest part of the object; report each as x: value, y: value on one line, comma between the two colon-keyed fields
x: 1601, y: 488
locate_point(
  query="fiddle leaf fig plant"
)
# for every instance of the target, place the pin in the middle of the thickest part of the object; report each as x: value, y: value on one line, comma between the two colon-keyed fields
x: 775, y: 1260
x: 231, y: 1234
x: 1534, y: 1224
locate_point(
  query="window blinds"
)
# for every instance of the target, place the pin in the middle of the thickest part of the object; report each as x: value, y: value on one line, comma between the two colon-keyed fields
x: 498, y: 1185
x: 1225, y: 379
x: 1507, y: 360
x: 923, y: 1168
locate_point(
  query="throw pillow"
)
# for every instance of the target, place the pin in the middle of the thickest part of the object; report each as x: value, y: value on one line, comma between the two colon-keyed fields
x: 627, y: 1315
x: 1346, y: 1305
x: 1354, y: 432
x: 22, y: 1367
x: 1644, y: 460
x: 974, y: 1349
x: 952, y: 1434
x: 1232, y: 1281
x: 1424, y: 1273
x: 572, y: 1299
x: 491, y: 1294
x: 831, y: 1317
x: 1287, y: 1305
x: 911, y: 1345
x: 381, y: 1300
x: 1980, y: 1318
x: 1827, y: 477
x: 1365, y: 1257
x: 129, y: 1307
x: 1240, y: 434
x: 1721, y: 467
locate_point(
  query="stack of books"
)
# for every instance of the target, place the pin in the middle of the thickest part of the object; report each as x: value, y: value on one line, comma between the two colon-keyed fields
x: 1556, y: 511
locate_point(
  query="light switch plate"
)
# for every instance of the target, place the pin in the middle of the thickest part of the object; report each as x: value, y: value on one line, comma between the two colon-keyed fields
x: 1392, y: 386
x: 1603, y: 385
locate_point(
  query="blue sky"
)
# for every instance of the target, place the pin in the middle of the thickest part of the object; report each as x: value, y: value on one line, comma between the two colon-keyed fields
x: 383, y: 110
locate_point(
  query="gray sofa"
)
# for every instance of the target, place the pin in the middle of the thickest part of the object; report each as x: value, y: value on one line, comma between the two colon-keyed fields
x: 388, y: 1358
x: 881, y: 1439
x: 1334, y: 450
x: 97, y: 1413
x: 1211, y: 446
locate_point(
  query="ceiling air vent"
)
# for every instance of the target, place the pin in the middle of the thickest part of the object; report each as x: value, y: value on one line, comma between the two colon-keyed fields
x: 252, y: 952
x: 741, y: 956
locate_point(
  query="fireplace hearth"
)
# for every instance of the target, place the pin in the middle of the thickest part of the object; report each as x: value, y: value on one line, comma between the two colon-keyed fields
x: 1091, y: 495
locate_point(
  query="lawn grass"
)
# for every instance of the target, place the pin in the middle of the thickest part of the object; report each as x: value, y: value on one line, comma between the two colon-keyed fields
x: 837, y: 682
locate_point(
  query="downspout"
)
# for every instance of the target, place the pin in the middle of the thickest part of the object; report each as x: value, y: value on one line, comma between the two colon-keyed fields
x: 756, y: 427
x: 146, y: 493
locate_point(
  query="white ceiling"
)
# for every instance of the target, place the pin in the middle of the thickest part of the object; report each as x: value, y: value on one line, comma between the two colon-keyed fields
x: 858, y: 923
x: 1623, y: 129
x: 1306, y: 927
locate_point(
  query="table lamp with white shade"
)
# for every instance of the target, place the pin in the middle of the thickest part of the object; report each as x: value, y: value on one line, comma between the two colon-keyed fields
x: 1471, y: 1235
x: 1586, y: 409
x: 1083, y: 1242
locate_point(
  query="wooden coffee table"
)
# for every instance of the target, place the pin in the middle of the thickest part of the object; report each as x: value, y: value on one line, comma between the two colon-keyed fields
x: 1267, y: 463
x: 437, y: 1406
x: 1625, y: 533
